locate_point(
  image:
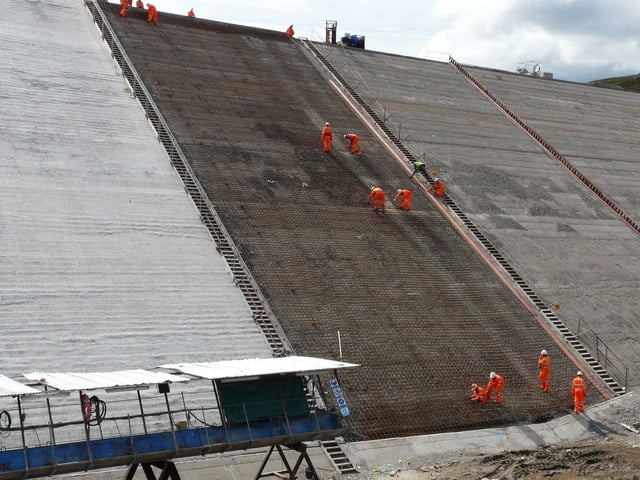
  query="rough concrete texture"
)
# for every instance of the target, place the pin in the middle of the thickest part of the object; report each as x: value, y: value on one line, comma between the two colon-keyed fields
x: 564, y: 241
x: 414, y: 303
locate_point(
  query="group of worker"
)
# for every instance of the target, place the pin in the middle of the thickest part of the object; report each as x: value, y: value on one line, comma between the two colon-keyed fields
x: 152, y: 11
x: 152, y: 14
x: 376, y: 195
x: 496, y: 382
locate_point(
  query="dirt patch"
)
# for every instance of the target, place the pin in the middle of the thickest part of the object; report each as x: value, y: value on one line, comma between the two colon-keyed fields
x: 603, y: 460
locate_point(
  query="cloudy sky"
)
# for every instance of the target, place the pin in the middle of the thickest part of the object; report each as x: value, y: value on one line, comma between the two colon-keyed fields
x: 578, y: 40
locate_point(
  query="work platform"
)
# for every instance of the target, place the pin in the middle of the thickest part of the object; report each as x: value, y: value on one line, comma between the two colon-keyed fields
x: 274, y: 402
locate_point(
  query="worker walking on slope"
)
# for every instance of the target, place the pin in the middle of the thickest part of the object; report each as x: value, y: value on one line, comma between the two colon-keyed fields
x: 405, y: 197
x: 438, y: 188
x: 289, y: 33
x: 327, y: 136
x: 354, y: 139
x: 377, y: 195
x: 579, y: 392
x: 495, y: 382
x: 152, y: 16
x: 544, y: 363
x: 191, y: 13
x: 478, y: 394
x: 123, y: 8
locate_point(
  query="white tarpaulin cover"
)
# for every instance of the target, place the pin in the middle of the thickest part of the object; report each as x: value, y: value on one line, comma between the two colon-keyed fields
x: 10, y: 387
x: 92, y: 381
x: 255, y: 366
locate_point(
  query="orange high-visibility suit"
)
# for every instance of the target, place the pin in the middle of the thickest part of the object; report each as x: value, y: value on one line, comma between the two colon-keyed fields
x: 478, y: 394
x: 123, y: 8
x: 152, y: 16
x: 377, y: 195
x: 438, y: 188
x: 354, y: 139
x: 191, y: 13
x: 496, y: 382
x: 579, y: 392
x: 289, y: 33
x: 544, y: 362
x: 327, y: 136
x: 405, y: 197
x: 139, y: 4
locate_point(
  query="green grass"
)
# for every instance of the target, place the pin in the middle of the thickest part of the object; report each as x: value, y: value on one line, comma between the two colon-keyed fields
x: 630, y: 82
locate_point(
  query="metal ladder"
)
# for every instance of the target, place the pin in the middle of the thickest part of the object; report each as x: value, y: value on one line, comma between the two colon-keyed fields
x: 533, y: 298
x: 261, y: 313
x: 337, y: 457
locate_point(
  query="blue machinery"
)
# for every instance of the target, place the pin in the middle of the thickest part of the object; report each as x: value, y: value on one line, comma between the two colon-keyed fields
x: 257, y: 403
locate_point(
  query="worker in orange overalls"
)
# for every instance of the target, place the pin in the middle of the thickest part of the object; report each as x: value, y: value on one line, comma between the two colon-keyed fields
x: 289, y: 33
x: 130, y: 3
x: 377, y: 195
x: 579, y: 392
x: 544, y: 362
x: 327, y: 136
x: 438, y: 188
x: 139, y: 4
x: 191, y: 13
x: 354, y: 139
x: 123, y: 8
x: 495, y: 382
x: 478, y: 394
x: 405, y: 197
x: 152, y: 16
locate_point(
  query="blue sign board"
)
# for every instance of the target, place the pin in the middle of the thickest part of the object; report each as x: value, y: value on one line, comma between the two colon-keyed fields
x: 342, y: 403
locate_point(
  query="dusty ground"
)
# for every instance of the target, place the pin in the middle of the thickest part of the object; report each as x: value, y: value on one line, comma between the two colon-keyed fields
x: 602, y: 460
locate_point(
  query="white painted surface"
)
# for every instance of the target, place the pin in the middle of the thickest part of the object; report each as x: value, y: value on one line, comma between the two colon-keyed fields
x: 104, y: 263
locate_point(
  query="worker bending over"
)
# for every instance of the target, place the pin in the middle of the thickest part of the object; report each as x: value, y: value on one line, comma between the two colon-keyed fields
x: 544, y: 363
x: 377, y: 195
x: 289, y: 33
x: 354, y: 139
x: 478, y: 394
x: 191, y: 13
x: 152, y: 16
x: 495, y: 382
x: 327, y: 136
x: 579, y: 392
x: 123, y: 8
x: 438, y: 188
x: 418, y: 167
x: 405, y: 197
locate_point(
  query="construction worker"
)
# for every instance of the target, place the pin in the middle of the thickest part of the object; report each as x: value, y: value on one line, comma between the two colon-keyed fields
x: 327, y: 136
x: 139, y: 4
x: 438, y: 188
x: 478, y: 394
x: 405, y: 197
x: 495, y: 381
x: 544, y: 363
x: 377, y: 195
x: 129, y: 3
x: 191, y: 13
x: 418, y: 167
x: 354, y: 139
x: 289, y: 33
x: 579, y: 392
x: 123, y: 8
x: 152, y: 16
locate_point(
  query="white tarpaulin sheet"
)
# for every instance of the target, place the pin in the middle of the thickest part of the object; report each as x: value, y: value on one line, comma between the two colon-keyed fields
x: 92, y: 381
x: 10, y: 387
x: 255, y: 366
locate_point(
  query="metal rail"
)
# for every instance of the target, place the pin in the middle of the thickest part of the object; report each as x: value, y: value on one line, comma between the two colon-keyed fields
x: 262, y: 314
x: 614, y: 384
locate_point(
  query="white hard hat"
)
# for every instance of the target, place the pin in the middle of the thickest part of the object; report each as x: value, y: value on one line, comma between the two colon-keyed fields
x: 345, y: 135
x: 474, y: 385
x: 399, y: 190
x: 492, y: 375
x: 544, y: 352
x: 372, y: 188
x: 436, y: 179
x: 326, y: 124
x: 579, y: 373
